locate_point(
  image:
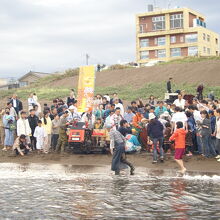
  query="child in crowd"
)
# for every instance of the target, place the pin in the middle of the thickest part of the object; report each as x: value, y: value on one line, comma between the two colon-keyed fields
x: 40, y: 134
x: 98, y: 124
x: 167, y: 135
x: 179, y: 136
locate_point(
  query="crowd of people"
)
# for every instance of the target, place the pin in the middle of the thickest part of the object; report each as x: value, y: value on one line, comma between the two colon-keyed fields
x: 153, y: 126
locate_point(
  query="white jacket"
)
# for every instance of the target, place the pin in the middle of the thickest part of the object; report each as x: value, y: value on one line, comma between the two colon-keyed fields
x: 23, y: 127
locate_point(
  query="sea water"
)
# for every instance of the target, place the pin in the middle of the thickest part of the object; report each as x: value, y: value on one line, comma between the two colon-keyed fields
x: 32, y: 191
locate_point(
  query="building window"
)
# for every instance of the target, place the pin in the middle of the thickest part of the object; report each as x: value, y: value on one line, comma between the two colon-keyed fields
x: 204, y: 49
x: 204, y: 36
x: 142, y: 28
x: 192, y: 51
x: 155, y: 41
x: 176, y: 21
x: 144, y: 55
x: 161, y: 41
x: 175, y: 52
x: 216, y: 40
x: 144, y: 43
x: 161, y: 53
x: 208, y: 38
x: 158, y: 23
x: 191, y: 38
x: 173, y: 39
x: 209, y: 51
x: 182, y: 39
x: 22, y: 84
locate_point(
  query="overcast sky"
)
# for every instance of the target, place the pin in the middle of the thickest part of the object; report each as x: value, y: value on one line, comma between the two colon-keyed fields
x: 53, y: 35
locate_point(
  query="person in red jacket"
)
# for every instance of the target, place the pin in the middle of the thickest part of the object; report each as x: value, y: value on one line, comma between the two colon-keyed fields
x: 179, y: 136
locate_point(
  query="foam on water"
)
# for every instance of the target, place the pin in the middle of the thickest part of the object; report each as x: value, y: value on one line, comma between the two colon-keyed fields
x: 69, y: 172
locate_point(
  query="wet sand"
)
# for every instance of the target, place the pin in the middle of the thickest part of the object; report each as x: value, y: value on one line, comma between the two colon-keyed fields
x: 195, y: 163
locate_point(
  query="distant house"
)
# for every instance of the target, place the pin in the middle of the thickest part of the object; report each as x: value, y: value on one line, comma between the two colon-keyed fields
x: 9, y: 83
x: 9, y: 86
x: 31, y: 77
x: 3, y: 82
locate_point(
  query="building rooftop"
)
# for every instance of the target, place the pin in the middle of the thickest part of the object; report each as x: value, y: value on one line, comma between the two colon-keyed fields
x: 167, y: 11
x: 38, y: 74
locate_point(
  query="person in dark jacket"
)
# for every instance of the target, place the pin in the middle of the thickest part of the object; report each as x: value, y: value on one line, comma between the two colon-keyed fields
x: 33, y: 120
x: 169, y: 87
x: 206, y: 131
x: 16, y: 103
x: 199, y: 91
x: 155, y: 133
x: 124, y: 128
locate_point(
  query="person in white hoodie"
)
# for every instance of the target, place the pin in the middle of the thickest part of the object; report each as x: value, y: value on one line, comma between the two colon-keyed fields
x: 23, y: 126
x: 41, y: 135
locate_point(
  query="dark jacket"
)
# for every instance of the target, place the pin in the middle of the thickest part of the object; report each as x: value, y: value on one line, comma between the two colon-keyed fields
x: 213, y: 123
x: 155, y: 129
x: 19, y: 105
x: 124, y: 131
x: 70, y: 101
x: 206, y: 127
x: 33, y: 123
x: 169, y: 86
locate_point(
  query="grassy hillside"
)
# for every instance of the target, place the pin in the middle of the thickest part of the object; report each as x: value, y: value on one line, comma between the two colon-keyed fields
x: 133, y: 83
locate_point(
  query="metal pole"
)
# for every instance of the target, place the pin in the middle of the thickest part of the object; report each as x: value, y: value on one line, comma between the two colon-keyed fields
x: 87, y: 59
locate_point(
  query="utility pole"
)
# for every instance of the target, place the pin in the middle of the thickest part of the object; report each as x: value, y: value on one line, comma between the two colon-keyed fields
x: 169, y: 3
x: 87, y: 59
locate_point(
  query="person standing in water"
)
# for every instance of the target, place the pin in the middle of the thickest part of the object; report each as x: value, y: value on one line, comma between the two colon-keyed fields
x: 117, y: 148
x: 179, y: 136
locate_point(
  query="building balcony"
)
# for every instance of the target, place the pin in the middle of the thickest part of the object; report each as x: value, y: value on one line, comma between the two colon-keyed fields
x: 168, y: 32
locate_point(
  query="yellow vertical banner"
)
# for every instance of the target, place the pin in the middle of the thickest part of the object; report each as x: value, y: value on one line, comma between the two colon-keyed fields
x: 86, y: 88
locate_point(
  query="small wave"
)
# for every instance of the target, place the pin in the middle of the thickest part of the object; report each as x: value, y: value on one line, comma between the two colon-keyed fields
x: 68, y: 172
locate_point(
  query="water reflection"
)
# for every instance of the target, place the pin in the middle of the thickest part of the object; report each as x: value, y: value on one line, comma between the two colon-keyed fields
x: 177, y: 199
x: 31, y: 191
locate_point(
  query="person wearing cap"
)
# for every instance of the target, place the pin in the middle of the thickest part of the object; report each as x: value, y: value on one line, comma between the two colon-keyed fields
x: 73, y: 114
x: 164, y: 118
x: 117, y: 148
x: 155, y: 133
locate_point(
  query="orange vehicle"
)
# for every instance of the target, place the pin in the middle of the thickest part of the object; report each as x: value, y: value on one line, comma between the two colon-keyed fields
x: 83, y: 140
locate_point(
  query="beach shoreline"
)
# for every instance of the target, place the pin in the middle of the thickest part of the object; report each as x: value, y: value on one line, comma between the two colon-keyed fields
x: 194, y: 164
